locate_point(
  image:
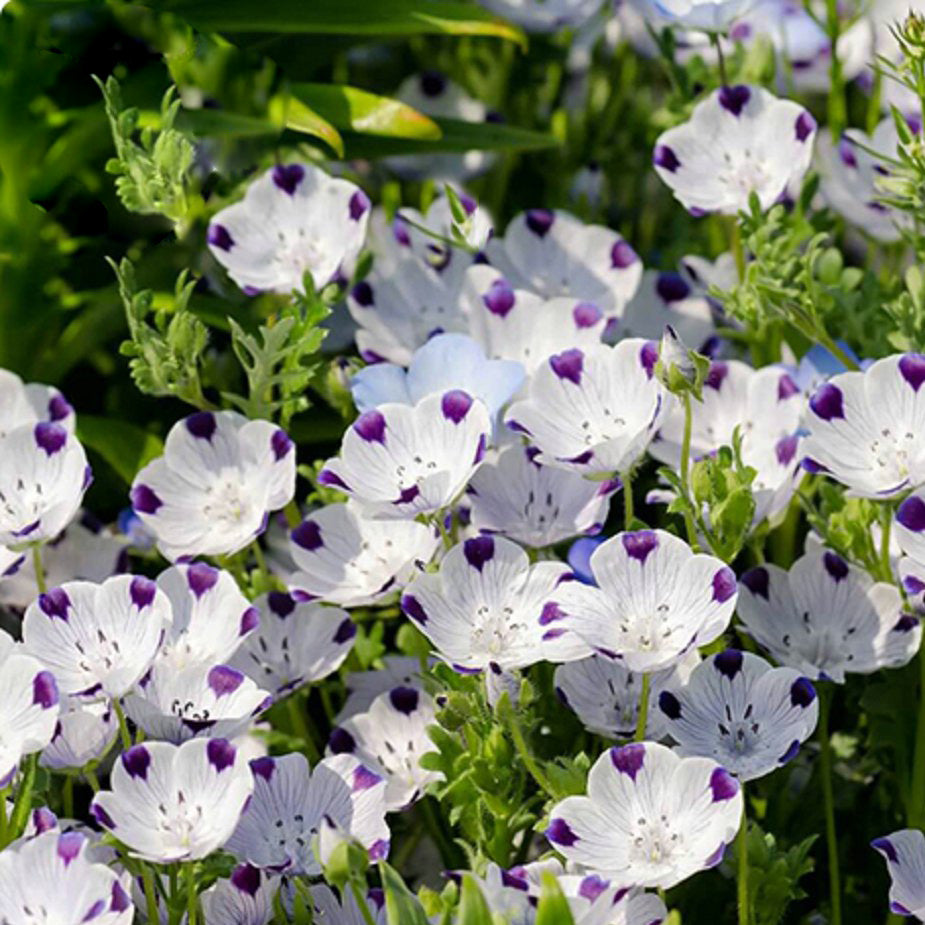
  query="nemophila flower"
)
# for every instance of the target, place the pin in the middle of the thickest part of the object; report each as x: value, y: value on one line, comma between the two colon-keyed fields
x: 85, y: 550
x: 543, y: 15
x: 176, y: 704
x: 293, y: 220
x: 702, y: 273
x: 579, y: 557
x: 245, y: 898
x: 553, y: 253
x: 296, y: 643
x: 52, y: 878
x: 904, y: 852
x: 281, y: 826
x: 83, y: 733
x: 445, y: 362
x: 98, y: 639
x: 28, y: 706
x: 402, y: 460
x: 818, y: 365
x: 739, y: 140
x: 852, y: 180
x: 651, y: 817
x: 593, y: 410
x: 342, y: 556
x: 826, y: 617
x: 488, y: 606
x: 346, y: 911
x: 866, y: 428
x: 766, y: 406
x: 22, y: 404
x: 537, y: 505
x: 174, y: 803
x: 738, y: 710
x: 390, y: 737
x: 363, y: 687
x: 523, y: 326
x: 43, y: 477
x: 605, y: 696
x: 211, y: 491
x: 211, y: 617
x: 707, y: 15
x: 655, y: 600
x: 668, y: 299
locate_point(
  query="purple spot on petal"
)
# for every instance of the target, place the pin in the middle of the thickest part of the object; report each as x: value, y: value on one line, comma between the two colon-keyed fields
x: 835, y: 565
x: 728, y: 663
x: 280, y: 603
x: 629, y: 759
x: 550, y: 613
x: 136, y: 761
x: 716, y: 375
x: 281, y: 444
x: 906, y: 623
x: 379, y: 849
x: 669, y: 705
x: 622, y: 255
x: 250, y: 620
x: 407, y: 495
x: 341, y: 742
x: 288, y: 177
x: 359, y: 205
x: 263, y: 767
x: 370, y: 426
x: 568, y: 365
x: 885, y: 847
x: 802, y: 692
x: 786, y: 388
x: 592, y: 886
x: 723, y: 785
x: 648, y: 357
x: 432, y: 83
x: 220, y: 237
x: 144, y: 500
x: 201, y: 425
x: 404, y: 699
x: 734, y: 99
x: 714, y: 859
x: 364, y: 778
x: 308, y: 536
x: 201, y: 578
x: 846, y: 153
x: 328, y: 477
x: 586, y: 315
x: 478, y: 551
x: 101, y: 816
x: 142, y: 591
x: 345, y: 631
x: 500, y: 298
x: 671, y: 287
x: 638, y: 545
x: 664, y: 157
x: 413, y: 609
x: 45, y: 690
x: 50, y: 437
x: 805, y: 126
x: 912, y: 368
x: 246, y: 879
x: 119, y: 900
x: 224, y: 680
x: 362, y: 294
x: 539, y: 221
x: 724, y: 585
x: 55, y: 603
x: 455, y: 405
x: 69, y: 846
x: 827, y: 402
x: 59, y: 408
x: 560, y: 833
x: 791, y: 752
x: 221, y: 754
x: 786, y: 449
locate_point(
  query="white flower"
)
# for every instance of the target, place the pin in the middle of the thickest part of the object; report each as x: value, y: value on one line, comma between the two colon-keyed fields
x: 592, y: 410
x: 826, y: 617
x: 363, y: 687
x: 555, y: 254
x: 174, y: 803
x: 98, y: 639
x: 904, y: 852
x: 605, y: 696
x: 655, y: 601
x: 706, y: 15
x: 30, y: 404
x: 211, y: 491
x: 245, y: 898
x: 344, y: 557
x: 488, y: 607
x: 281, y: 826
x: 545, y: 15
x: 536, y: 505
x: 43, y: 477
x: 390, y: 737
x: 650, y: 817
x: 402, y: 461
x: 446, y: 361
x: 867, y: 429
x: 522, y: 326
x: 296, y: 643
x: 293, y: 220
x: 53, y: 878
x: 739, y: 140
x: 738, y: 710
x: 766, y: 406
x: 327, y: 908
x: 84, y: 733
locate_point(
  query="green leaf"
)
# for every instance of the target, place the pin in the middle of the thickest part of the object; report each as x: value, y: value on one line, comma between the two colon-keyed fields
x: 401, y: 905
x: 473, y: 910
x: 294, y: 114
x: 123, y: 446
x: 553, y: 908
x: 366, y: 113
x: 379, y: 18
x: 220, y: 122
x: 457, y: 136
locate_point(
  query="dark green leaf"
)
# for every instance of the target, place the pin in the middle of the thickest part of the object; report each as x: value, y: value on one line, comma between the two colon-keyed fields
x: 124, y: 446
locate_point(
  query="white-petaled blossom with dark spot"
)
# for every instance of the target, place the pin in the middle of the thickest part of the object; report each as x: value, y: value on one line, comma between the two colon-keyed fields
x: 537, y: 505
x: 487, y: 606
x: 345, y: 911
x: 245, y: 898
x: 704, y: 15
x: 346, y: 558
x: 522, y: 326
x: 544, y: 15
x: 43, y: 477
x: 738, y: 141
x: 297, y: 642
x: 766, y: 406
x: 738, y: 710
x: 445, y: 362
x: 553, y: 253
x: 29, y: 706
x: 655, y: 600
x: 363, y: 687
x: 174, y: 803
x: 31, y: 403
x: 83, y: 733
x: 176, y: 704
x: 909, y: 535
x: 281, y: 827
x: 651, y: 817
x: 605, y: 696
x: 98, y: 639
x: 867, y: 429
x: 594, y: 410
x: 54, y: 878
x: 668, y: 299
x: 904, y: 852
x: 390, y: 737
x: 826, y: 617
x: 401, y: 460
x: 293, y: 220
x: 211, y: 492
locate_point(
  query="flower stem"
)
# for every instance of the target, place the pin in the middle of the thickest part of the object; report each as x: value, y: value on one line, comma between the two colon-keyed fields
x: 915, y: 811
x: 627, y: 479
x: 508, y: 717
x: 150, y: 897
x: 300, y: 727
x: 720, y: 60
x: 643, y: 713
x: 189, y: 870
x: 38, y: 569
x: 685, y: 470
x: 67, y: 796
x: 742, y: 875
x: 124, y: 734
x: 361, y: 903
x: 828, y: 799
x: 24, y: 797
x: 886, y: 525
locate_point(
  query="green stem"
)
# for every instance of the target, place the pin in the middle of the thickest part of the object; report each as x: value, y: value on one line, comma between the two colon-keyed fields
x: 828, y: 799
x: 292, y: 514
x: 192, y: 906
x: 643, y: 714
x: 362, y: 903
x: 886, y: 524
x: 720, y: 60
x: 67, y: 796
x: 124, y: 733
x: 24, y: 797
x: 4, y: 821
x: 738, y: 250
x: 266, y: 582
x: 685, y: 470
x: 38, y: 569
x: 915, y: 811
x: 506, y: 711
x: 837, y: 107
x: 92, y: 779
x: 300, y: 727
x: 627, y: 479
x: 150, y: 896
x: 742, y: 877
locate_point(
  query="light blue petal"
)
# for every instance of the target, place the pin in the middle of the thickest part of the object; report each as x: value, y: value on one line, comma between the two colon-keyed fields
x: 380, y: 383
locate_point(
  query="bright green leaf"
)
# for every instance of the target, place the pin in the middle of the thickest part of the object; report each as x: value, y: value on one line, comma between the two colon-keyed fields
x: 401, y: 905
x: 294, y: 114
x: 473, y: 910
x: 553, y: 908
